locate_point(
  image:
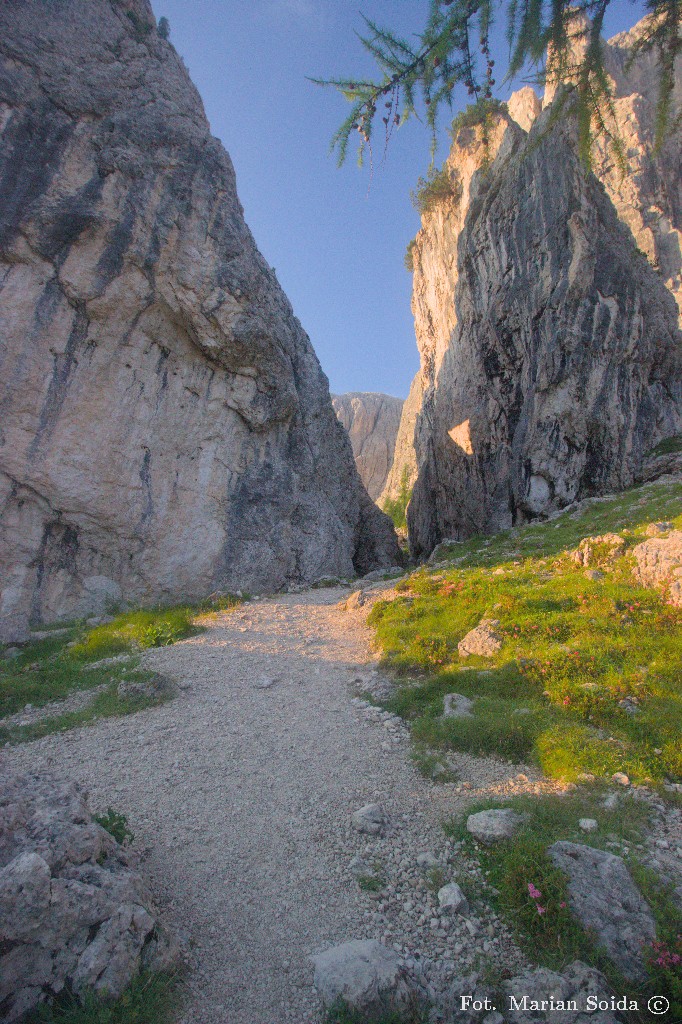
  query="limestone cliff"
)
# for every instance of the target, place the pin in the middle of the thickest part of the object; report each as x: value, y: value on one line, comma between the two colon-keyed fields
x: 648, y: 200
x: 648, y: 197
x: 435, y: 261
x: 166, y: 428
x: 371, y: 421
x: 563, y: 364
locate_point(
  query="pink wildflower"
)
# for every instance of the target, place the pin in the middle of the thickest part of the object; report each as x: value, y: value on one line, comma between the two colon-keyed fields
x: 534, y: 893
x: 541, y: 910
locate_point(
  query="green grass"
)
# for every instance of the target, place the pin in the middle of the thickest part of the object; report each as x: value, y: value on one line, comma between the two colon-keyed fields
x: 51, y: 669
x: 396, y: 507
x: 342, y: 1014
x: 573, y: 649
x: 554, y: 938
x: 670, y: 446
x: 116, y: 824
x: 150, y: 999
x: 371, y: 883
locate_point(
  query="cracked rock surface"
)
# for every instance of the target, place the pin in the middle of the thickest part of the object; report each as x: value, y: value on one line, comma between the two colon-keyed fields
x: 72, y: 908
x: 167, y: 429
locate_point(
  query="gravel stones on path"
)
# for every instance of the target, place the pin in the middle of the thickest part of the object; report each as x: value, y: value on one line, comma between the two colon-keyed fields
x: 241, y: 799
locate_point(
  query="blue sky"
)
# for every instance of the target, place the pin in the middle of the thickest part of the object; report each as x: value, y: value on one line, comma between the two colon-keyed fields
x: 336, y: 241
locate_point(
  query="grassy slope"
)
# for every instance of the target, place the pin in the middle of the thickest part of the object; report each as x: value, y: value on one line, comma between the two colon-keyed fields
x: 573, y: 648
x: 51, y: 669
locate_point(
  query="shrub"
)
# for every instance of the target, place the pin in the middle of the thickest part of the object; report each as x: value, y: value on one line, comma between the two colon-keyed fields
x: 408, y: 258
x: 475, y: 115
x: 163, y: 28
x: 116, y: 825
x: 437, y: 187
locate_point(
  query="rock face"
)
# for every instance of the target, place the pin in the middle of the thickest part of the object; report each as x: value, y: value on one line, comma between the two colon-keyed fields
x: 659, y: 564
x: 366, y: 977
x: 607, y: 901
x: 564, y: 364
x: 648, y: 198
x: 533, y: 308
x: 72, y: 910
x: 579, y: 985
x: 166, y: 428
x: 372, y: 422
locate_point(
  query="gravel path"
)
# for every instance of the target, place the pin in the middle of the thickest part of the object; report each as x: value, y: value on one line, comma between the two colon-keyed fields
x: 240, y: 791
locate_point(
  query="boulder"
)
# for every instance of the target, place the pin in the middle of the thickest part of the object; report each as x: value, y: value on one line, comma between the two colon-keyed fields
x: 369, y: 819
x: 366, y: 977
x: 456, y: 705
x: 542, y: 995
x: 426, y: 861
x: 168, y: 430
x: 607, y: 902
x: 356, y: 600
x: 491, y: 826
x: 482, y: 641
x: 599, y: 550
x: 451, y: 898
x: 72, y: 908
x: 659, y: 565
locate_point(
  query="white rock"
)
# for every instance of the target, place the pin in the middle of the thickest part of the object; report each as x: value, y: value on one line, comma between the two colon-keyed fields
x: 370, y: 819
x: 588, y: 824
x: 456, y: 705
x: 426, y: 861
x: 451, y: 898
x: 492, y: 826
x: 367, y: 976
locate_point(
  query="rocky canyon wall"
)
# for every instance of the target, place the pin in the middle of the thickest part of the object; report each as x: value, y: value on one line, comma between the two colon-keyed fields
x: 647, y: 202
x: 564, y: 363
x: 371, y: 421
x: 166, y: 428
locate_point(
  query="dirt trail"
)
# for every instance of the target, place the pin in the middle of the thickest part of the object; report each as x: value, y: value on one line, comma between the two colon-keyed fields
x: 239, y: 793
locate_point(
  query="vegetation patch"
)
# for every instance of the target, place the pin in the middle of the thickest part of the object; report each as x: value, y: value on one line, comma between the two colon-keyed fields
x: 396, y: 507
x: 80, y: 659
x: 408, y: 258
x: 438, y: 186
x: 589, y: 676
x: 670, y: 446
x: 531, y: 893
x: 116, y: 824
x: 476, y: 115
x: 150, y: 999
x: 341, y: 1013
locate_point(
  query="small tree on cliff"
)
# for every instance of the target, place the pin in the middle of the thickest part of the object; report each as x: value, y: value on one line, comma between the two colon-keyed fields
x: 551, y: 37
